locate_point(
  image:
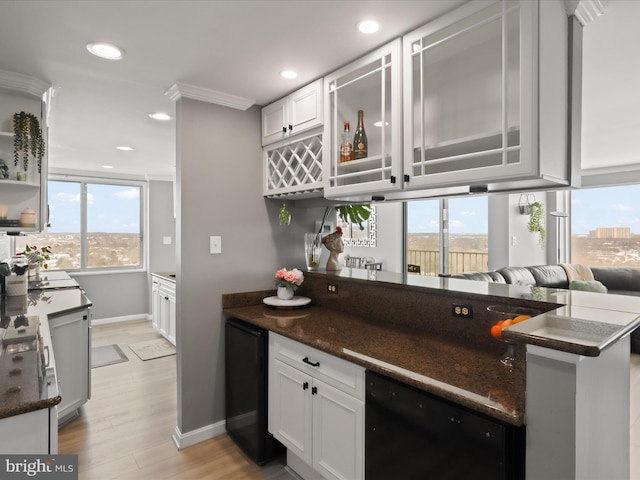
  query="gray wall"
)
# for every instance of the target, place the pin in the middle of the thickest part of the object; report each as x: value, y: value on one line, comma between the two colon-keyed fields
x: 161, y: 223
x: 116, y: 294
x: 219, y: 193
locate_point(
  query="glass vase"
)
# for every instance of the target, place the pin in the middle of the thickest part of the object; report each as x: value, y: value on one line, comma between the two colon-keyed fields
x: 312, y: 250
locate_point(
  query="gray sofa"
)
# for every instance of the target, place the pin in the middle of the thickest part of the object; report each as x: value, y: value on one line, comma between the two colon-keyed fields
x: 618, y: 280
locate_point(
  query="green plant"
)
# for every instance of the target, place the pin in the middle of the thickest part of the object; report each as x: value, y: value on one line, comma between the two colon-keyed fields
x: 284, y: 215
x: 35, y: 255
x: 348, y: 213
x: 27, y: 140
x: 536, y: 220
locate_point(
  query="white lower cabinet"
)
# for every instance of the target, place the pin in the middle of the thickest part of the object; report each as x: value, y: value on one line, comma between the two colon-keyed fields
x: 163, y: 307
x: 71, y: 339
x: 316, y: 408
x: 33, y: 433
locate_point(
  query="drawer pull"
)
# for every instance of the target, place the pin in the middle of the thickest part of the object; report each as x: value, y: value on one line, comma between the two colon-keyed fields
x: 305, y: 385
x: 309, y: 362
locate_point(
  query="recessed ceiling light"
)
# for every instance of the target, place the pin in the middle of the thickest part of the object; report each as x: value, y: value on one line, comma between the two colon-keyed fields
x: 124, y: 148
x: 107, y: 166
x: 160, y: 116
x: 288, y: 74
x: 368, y: 26
x: 105, y: 50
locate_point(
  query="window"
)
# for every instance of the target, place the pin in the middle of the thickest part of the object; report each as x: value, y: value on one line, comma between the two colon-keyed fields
x: 605, y: 226
x: 466, y: 238
x: 93, y: 225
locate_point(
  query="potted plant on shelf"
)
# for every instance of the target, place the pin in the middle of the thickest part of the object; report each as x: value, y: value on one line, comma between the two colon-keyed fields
x: 27, y: 140
x: 536, y: 220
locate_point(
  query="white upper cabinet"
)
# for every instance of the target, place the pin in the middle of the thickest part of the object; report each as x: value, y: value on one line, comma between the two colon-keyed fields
x: 292, y: 141
x: 486, y: 97
x: 24, y: 188
x: 294, y: 114
x: 371, y: 84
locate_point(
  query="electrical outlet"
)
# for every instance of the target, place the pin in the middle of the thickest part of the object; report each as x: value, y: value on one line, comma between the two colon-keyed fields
x: 461, y: 310
x: 331, y: 288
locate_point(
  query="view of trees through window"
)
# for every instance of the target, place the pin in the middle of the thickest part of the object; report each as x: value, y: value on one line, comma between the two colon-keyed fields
x: 112, y: 236
x: 468, y: 235
x: 605, y: 226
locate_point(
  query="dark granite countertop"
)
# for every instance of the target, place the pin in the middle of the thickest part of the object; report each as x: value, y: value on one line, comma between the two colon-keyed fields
x: 27, y: 381
x: 586, y: 324
x: 461, y: 372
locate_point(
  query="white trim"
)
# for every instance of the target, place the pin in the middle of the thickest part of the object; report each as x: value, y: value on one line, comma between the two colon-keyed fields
x: 125, y: 318
x: 588, y: 10
x: 184, y: 440
x: 23, y: 83
x: 179, y: 90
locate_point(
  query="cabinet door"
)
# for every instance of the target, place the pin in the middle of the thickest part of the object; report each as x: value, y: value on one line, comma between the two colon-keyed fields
x: 471, y: 101
x: 290, y: 409
x: 171, y: 319
x: 338, y: 433
x: 71, y: 344
x: 274, y: 122
x: 371, y: 84
x: 156, y: 304
x: 305, y: 108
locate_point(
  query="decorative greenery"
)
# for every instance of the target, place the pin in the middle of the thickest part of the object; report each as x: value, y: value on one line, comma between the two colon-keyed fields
x: 27, y: 140
x: 348, y: 213
x: 35, y: 255
x: 284, y: 215
x: 536, y: 220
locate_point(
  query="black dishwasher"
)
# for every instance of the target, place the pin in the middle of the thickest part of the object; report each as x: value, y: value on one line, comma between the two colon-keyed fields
x: 246, y: 390
x: 411, y: 434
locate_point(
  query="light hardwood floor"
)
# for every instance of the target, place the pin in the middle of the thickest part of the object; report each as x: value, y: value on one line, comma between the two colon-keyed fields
x: 124, y: 431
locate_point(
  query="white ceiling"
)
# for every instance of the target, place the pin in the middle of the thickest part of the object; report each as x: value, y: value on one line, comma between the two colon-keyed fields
x: 237, y: 47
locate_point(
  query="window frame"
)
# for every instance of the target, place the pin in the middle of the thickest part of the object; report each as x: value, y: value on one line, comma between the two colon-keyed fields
x: 83, y: 181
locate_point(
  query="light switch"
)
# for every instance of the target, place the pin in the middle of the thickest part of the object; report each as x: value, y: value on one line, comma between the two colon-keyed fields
x: 166, y: 240
x: 215, y: 245
x: 514, y: 240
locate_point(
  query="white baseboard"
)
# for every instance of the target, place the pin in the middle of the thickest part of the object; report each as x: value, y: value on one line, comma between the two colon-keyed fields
x: 126, y: 318
x: 184, y: 440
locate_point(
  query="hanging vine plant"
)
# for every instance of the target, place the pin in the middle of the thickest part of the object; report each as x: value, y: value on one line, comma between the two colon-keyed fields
x: 27, y: 140
x: 536, y: 220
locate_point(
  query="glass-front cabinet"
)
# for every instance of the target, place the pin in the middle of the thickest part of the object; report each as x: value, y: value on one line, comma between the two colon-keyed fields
x: 23, y: 182
x: 371, y: 84
x: 485, y: 95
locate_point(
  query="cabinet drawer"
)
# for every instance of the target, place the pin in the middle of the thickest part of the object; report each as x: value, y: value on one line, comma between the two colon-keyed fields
x: 341, y: 374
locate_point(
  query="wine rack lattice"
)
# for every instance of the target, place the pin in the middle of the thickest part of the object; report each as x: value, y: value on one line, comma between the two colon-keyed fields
x: 294, y: 167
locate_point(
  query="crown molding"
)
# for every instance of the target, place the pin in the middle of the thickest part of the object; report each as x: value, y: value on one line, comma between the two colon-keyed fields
x: 17, y: 82
x: 586, y: 11
x: 183, y: 90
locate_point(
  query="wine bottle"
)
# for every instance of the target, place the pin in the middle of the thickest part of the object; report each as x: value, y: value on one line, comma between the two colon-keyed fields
x: 346, y: 149
x: 360, y: 139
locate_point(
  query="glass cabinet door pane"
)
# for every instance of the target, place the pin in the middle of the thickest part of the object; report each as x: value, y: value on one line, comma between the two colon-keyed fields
x: 367, y: 88
x: 466, y: 93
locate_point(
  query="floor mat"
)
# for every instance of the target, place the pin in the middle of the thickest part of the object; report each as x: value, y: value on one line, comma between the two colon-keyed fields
x: 153, y: 349
x: 107, y: 355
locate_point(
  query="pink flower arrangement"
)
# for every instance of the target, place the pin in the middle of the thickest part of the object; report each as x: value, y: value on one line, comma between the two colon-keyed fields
x: 289, y: 278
